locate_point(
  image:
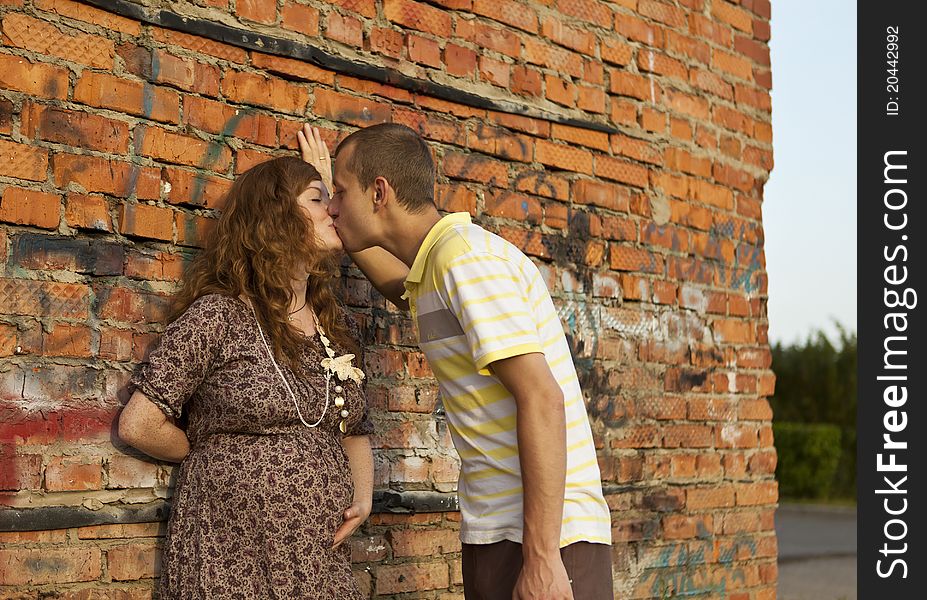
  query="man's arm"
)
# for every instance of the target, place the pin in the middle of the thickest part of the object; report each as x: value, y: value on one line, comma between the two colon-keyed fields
x: 541, y: 431
x: 386, y: 272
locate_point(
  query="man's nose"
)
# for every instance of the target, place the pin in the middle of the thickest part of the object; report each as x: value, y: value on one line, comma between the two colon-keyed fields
x: 332, y: 208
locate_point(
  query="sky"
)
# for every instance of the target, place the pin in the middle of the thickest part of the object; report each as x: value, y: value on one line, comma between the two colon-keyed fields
x: 809, y: 206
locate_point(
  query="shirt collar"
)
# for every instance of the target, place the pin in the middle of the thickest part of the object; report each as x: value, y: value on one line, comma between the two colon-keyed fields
x: 437, y: 231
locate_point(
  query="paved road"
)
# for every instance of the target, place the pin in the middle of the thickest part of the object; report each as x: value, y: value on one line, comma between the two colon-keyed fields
x: 817, y: 552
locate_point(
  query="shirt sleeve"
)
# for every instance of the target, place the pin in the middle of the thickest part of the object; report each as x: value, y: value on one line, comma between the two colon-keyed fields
x: 185, y: 355
x: 363, y: 425
x: 491, y: 298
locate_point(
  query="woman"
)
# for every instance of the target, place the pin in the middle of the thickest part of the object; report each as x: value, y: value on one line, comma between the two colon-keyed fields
x: 276, y: 468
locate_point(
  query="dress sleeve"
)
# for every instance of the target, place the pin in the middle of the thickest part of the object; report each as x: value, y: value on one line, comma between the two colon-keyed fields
x: 362, y: 426
x: 185, y: 355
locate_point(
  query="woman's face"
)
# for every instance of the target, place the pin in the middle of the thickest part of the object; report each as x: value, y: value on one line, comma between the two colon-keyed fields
x: 314, y: 200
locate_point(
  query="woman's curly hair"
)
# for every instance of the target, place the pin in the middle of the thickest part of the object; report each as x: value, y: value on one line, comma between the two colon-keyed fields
x: 260, y: 238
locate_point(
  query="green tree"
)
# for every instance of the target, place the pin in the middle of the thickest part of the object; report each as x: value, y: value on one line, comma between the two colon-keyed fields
x: 816, y: 383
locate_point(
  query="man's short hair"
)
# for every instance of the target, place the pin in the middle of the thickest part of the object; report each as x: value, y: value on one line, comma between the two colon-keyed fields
x: 398, y: 154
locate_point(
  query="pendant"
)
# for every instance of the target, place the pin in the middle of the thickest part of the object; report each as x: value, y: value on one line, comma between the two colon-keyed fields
x: 343, y: 426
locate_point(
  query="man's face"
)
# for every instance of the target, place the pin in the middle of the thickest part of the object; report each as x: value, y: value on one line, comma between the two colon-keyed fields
x: 351, y: 207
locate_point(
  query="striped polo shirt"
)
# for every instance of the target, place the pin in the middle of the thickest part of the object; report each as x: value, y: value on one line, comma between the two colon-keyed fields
x: 475, y: 299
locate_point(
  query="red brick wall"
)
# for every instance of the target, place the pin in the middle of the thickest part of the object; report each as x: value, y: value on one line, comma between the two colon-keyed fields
x: 118, y: 138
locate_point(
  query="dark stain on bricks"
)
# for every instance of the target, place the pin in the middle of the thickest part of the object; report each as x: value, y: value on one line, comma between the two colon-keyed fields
x: 6, y: 114
x: 98, y: 257
x: 138, y: 60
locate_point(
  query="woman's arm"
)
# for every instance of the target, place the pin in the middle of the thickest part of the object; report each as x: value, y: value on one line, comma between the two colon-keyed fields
x: 360, y: 457
x: 145, y: 426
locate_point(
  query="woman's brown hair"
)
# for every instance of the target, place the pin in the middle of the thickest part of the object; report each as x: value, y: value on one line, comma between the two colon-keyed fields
x: 261, y: 236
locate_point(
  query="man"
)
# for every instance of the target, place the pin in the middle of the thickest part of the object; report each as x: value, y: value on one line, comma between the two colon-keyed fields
x: 534, y: 520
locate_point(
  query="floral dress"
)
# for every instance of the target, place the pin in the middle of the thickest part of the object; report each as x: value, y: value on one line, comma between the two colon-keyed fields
x: 259, y: 497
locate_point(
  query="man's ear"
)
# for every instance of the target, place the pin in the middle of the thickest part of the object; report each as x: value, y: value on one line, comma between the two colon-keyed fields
x: 382, y: 193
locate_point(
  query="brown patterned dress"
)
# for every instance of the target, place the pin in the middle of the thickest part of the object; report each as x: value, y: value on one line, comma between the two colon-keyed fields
x: 260, y: 496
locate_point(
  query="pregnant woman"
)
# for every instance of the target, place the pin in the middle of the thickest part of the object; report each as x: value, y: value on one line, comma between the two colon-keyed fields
x: 263, y: 364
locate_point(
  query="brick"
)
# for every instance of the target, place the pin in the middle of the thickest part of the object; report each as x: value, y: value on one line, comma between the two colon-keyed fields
x: 199, y: 44
x: 663, y: 12
x: 185, y: 73
x: 474, y: 167
x: 219, y: 118
x: 261, y: 11
x: 732, y: 15
x: 89, y: 14
x: 134, y: 561
x: 583, y: 137
x: 757, y: 493
x: 564, y: 157
x: 526, y: 81
x: 75, y: 128
x: 38, y: 566
x: 29, y: 207
x: 560, y: 91
x: 423, y: 542
x: 349, y: 109
x: 713, y: 497
x: 571, y: 37
x: 19, y: 472
x: 300, y: 18
x: 494, y: 71
x: 712, y: 83
x: 366, y: 8
x: 621, y: 170
x: 459, y: 61
x: 543, y: 184
x: 132, y: 97
x: 629, y: 258
x: 388, y: 42
x: 73, y: 473
x: 633, y: 85
x: 591, y: 11
x: 649, y: 61
x: 412, y: 577
x: 116, y: 178
x: 590, y: 98
x: 733, y: 64
x: 181, y: 149
x: 129, y: 472
x: 640, y: 150
x: 6, y: 116
x: 418, y: 16
x: 119, y: 531
x: 504, y: 41
x: 680, y: 527
x: 250, y: 88
x: 344, y: 29
x: 615, y: 51
x: 192, y: 230
x: 33, y: 78
x: 639, y: 30
x: 115, y: 344
x: 564, y: 62
x: 23, y: 161
x: 372, y: 88
x: 512, y: 13
x: 45, y: 298
x: 514, y: 206
x: 653, y: 120
x: 143, y: 220
x: 195, y: 188
x: 687, y: 436
x: 688, y: 48
x: 67, y: 340
x: 43, y: 37
x: 686, y: 104
x: 52, y: 536
x: 606, y: 195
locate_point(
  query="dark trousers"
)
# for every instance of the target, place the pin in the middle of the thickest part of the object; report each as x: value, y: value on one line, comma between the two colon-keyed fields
x: 490, y: 571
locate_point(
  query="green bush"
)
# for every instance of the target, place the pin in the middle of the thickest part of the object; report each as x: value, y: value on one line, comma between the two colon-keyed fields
x: 816, y: 383
x: 808, y: 457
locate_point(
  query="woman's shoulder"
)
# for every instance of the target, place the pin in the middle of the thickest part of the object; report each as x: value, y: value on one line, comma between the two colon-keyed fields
x: 214, y: 307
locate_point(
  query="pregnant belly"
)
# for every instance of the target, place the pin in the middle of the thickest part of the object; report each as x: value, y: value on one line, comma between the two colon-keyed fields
x: 272, y: 485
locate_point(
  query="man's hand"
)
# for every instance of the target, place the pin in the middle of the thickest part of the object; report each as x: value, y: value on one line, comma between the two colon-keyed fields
x: 354, y: 515
x: 315, y: 152
x: 543, y: 579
